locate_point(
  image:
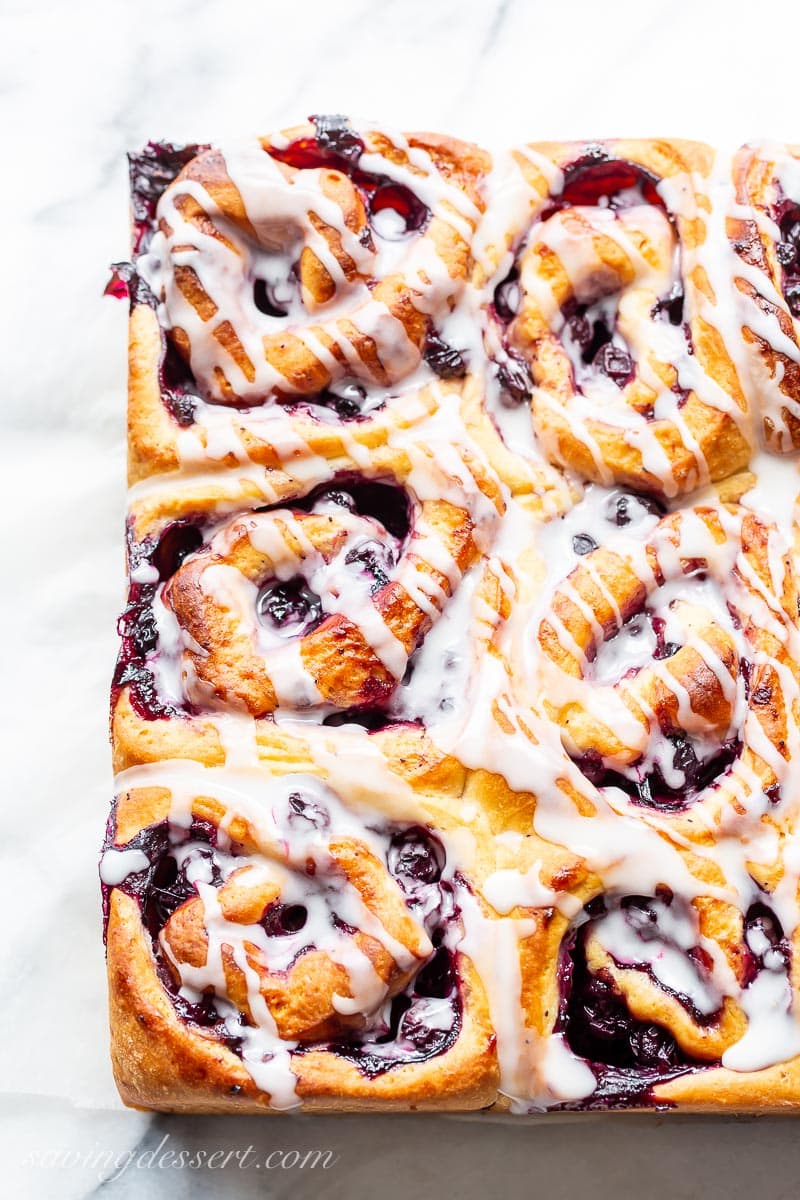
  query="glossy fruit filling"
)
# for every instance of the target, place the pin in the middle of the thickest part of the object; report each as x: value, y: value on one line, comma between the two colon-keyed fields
x: 137, y: 626
x: 444, y: 360
x: 289, y: 607
x: 787, y: 253
x: 626, y: 1055
x: 597, y: 179
x: 151, y: 171
x: 645, y: 784
x: 336, y: 144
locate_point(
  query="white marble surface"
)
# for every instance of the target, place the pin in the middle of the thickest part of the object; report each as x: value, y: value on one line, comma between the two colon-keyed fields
x: 79, y: 84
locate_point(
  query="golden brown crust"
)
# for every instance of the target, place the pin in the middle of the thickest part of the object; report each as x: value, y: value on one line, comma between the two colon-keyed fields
x: 158, y: 1061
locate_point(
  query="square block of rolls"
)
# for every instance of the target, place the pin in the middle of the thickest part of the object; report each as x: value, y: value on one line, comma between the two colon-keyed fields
x: 456, y: 716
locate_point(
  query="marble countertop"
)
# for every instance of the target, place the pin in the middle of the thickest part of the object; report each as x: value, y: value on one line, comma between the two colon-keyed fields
x: 80, y: 84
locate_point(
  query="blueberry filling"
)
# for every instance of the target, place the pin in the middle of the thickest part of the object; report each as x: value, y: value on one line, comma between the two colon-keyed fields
x: 627, y: 1055
x: 768, y: 948
x: 399, y: 1007
x: 646, y: 785
x: 507, y: 297
x: 265, y: 299
x: 152, y: 842
x: 160, y: 891
x: 381, y: 501
x: 143, y: 694
x: 346, y: 399
x: 137, y: 625
x: 282, y: 920
x: 335, y: 135
x: 371, y: 719
x: 415, y: 857
x: 583, y: 543
x: 394, y: 210
x: 425, y: 1040
x: 595, y: 179
x: 289, y: 606
x: 444, y: 360
x: 151, y: 171
x: 601, y: 1029
x: 303, y: 815
x: 176, y: 542
x: 341, y: 497
x: 437, y: 978
x: 162, y: 886
x: 614, y: 362
x: 170, y: 887
x: 413, y: 1031
x: 202, y: 1013
x: 621, y: 511
x: 791, y: 292
x: 416, y: 1040
x: 178, y: 388
x: 637, y: 624
x: 591, y: 334
x: 514, y: 379
x: 671, y: 305
x: 663, y: 649
x: 618, y: 509
x: 644, y: 916
x: 376, y: 560
x: 788, y: 255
